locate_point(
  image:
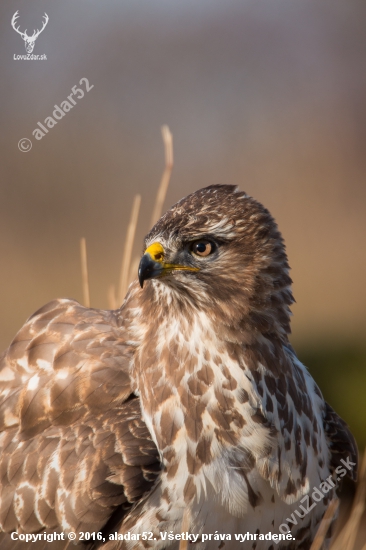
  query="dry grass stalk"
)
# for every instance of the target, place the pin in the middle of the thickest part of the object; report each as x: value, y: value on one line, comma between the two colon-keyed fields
x: 133, y: 269
x: 347, y: 537
x: 164, y: 183
x: 324, y: 525
x: 84, y: 273
x: 128, y: 268
x: 126, y: 261
x: 186, y: 522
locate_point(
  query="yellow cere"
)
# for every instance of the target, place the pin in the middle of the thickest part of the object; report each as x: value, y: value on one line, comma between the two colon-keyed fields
x: 156, y: 252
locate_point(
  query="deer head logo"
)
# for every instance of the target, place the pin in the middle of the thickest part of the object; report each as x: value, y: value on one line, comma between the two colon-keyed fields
x: 29, y: 40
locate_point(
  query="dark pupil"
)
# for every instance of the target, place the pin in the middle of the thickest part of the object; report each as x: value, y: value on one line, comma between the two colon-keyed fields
x: 201, y: 247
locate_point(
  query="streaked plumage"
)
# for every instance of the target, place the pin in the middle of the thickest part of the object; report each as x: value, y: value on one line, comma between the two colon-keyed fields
x: 189, y: 397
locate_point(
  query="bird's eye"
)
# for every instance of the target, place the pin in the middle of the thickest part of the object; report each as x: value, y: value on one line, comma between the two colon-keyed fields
x: 202, y: 248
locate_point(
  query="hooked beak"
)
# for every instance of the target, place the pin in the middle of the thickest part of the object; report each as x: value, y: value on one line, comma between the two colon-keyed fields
x: 152, y: 264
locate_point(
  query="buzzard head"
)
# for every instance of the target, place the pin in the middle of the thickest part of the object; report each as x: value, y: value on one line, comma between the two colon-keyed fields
x: 220, y: 251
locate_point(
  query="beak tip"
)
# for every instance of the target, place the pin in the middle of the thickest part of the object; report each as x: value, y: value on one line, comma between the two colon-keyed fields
x: 140, y: 277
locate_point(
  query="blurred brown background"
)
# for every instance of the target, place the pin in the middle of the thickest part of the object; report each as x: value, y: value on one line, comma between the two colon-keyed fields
x: 267, y: 94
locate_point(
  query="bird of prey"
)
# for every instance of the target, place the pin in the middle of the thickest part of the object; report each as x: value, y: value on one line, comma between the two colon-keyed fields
x: 185, y: 414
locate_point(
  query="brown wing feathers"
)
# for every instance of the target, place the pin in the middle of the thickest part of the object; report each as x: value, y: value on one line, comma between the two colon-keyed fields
x: 341, y: 442
x: 74, y: 446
